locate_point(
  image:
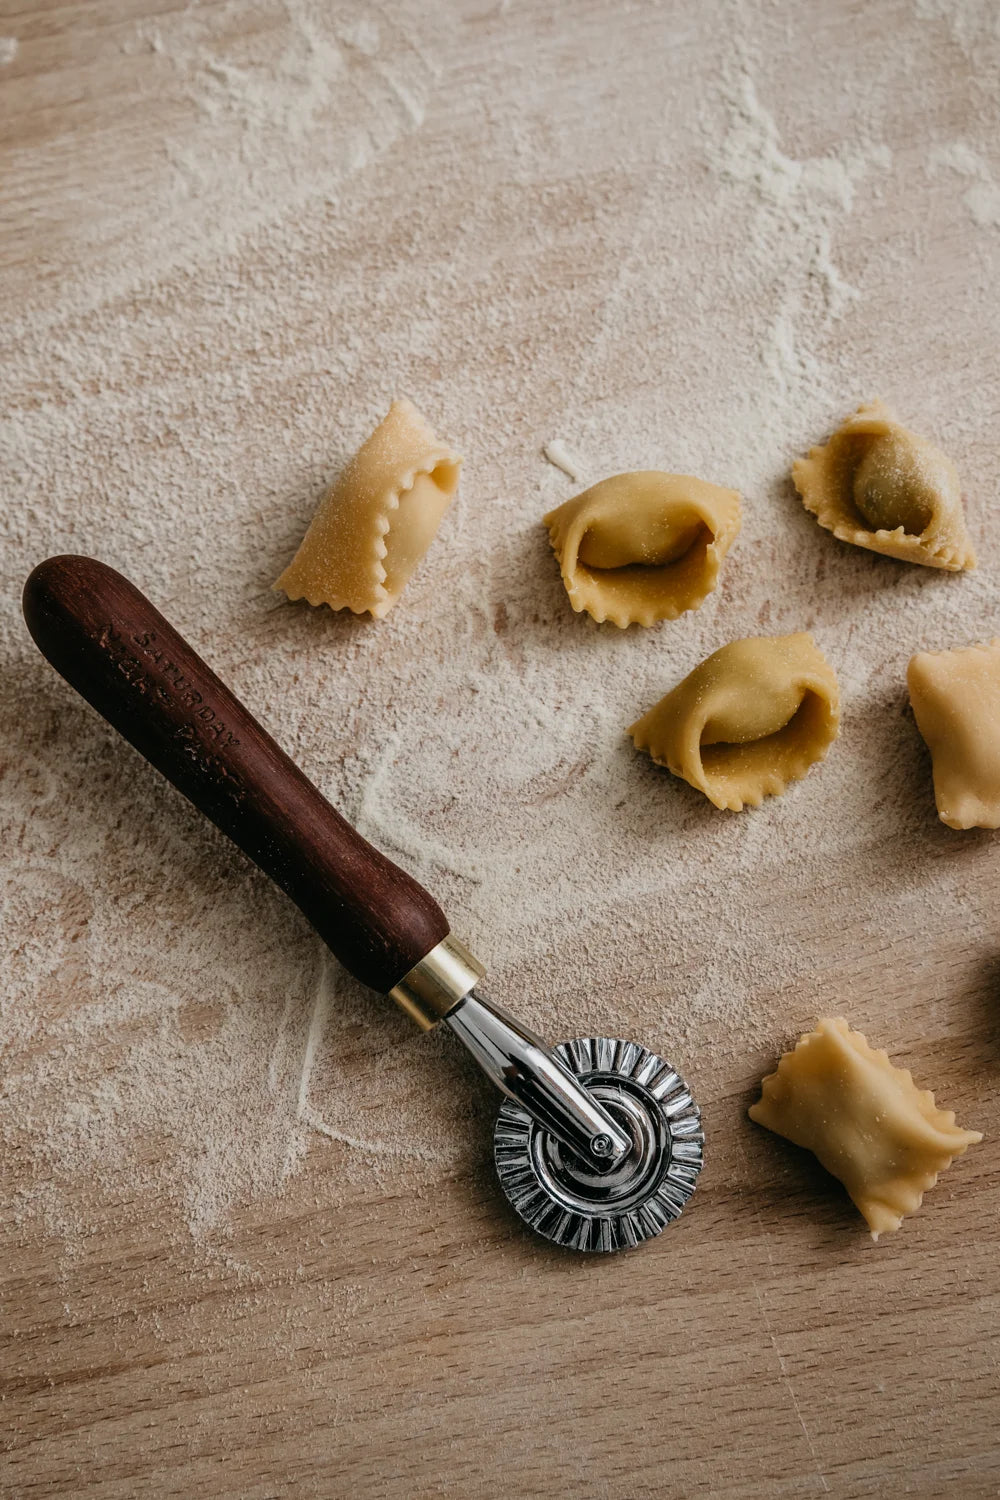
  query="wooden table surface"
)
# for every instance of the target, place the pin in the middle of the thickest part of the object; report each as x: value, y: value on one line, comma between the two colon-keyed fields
x: 369, y: 1329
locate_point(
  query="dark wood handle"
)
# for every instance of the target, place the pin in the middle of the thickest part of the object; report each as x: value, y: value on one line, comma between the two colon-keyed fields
x: 119, y: 652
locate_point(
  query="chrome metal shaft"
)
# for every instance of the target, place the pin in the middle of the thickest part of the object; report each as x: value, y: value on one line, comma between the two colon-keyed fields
x: 525, y: 1069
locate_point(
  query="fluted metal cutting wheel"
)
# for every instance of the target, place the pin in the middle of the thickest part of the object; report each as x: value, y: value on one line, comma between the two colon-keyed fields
x: 573, y: 1203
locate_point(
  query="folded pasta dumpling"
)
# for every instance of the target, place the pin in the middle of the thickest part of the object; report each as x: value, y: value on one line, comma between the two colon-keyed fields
x: 878, y: 485
x: 864, y: 1119
x: 956, y: 702
x: 378, y: 520
x: 643, y: 547
x: 754, y: 716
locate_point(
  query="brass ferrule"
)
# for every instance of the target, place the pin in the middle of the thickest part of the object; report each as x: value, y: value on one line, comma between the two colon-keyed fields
x: 439, y: 982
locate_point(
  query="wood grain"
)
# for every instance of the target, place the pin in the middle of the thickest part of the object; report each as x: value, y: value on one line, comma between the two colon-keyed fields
x: 401, y: 1336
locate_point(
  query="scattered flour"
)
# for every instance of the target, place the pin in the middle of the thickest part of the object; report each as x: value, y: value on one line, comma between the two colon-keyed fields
x: 8, y: 50
x: 704, y: 274
x: 982, y: 197
x: 799, y: 204
x: 245, y: 125
x: 972, y: 24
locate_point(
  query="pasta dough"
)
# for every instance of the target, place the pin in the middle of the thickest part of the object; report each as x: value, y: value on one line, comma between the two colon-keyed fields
x: 880, y: 486
x: 643, y: 547
x: 750, y: 719
x: 956, y: 703
x: 378, y: 520
x: 864, y: 1119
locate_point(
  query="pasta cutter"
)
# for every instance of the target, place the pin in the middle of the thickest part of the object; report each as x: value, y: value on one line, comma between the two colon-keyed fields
x: 598, y: 1143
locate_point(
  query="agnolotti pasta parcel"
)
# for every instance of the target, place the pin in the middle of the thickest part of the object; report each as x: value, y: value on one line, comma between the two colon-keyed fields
x: 878, y: 485
x: 643, y: 547
x: 864, y: 1119
x: 751, y: 719
x: 378, y: 520
x: 956, y: 703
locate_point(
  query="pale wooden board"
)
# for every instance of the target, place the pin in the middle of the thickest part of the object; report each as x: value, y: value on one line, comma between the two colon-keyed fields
x: 414, y: 1341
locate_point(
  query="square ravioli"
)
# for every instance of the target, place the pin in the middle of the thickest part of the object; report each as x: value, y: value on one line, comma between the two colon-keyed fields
x: 375, y: 524
x: 865, y: 1120
x: 956, y: 703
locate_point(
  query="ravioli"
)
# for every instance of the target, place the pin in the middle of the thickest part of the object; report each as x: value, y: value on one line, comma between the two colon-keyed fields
x: 643, y: 547
x: 751, y: 719
x: 878, y: 485
x: 956, y: 702
x: 865, y: 1120
x: 375, y: 524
